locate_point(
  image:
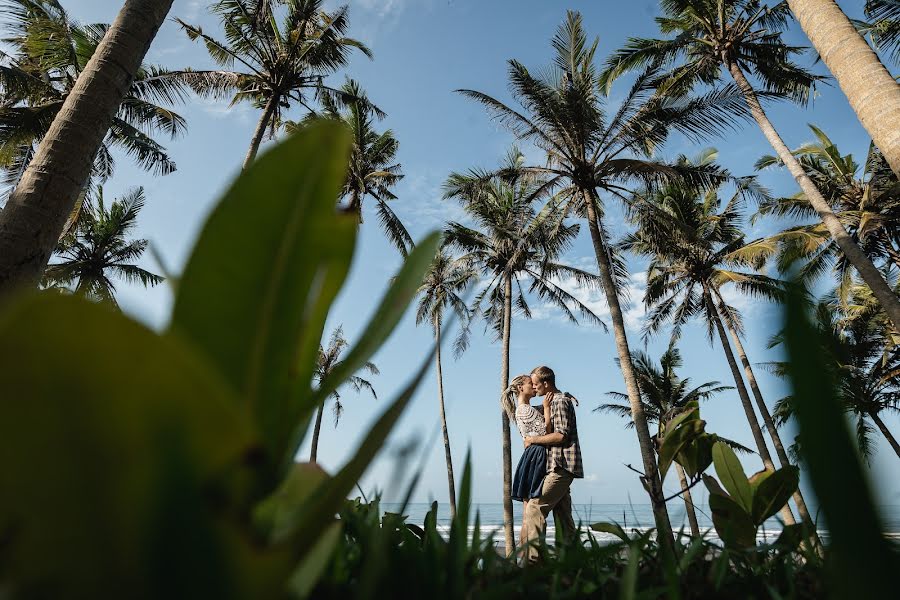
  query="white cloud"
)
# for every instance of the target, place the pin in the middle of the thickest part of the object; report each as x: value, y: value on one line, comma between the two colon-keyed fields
x: 595, y: 299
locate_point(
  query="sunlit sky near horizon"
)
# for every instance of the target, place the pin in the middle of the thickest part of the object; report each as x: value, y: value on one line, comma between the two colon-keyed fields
x: 425, y: 49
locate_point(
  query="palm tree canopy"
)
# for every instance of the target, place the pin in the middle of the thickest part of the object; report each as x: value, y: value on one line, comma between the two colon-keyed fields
x: 706, y: 35
x: 373, y: 168
x: 663, y: 393
x: 592, y: 146
x: 866, y: 198
x: 273, y: 49
x: 441, y: 289
x: 884, y: 25
x: 330, y: 358
x: 696, y: 245
x: 99, y: 249
x: 45, y: 51
x: 862, y: 358
x: 511, y: 240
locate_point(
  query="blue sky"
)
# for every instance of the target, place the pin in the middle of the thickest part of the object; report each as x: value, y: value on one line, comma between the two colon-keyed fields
x: 424, y: 49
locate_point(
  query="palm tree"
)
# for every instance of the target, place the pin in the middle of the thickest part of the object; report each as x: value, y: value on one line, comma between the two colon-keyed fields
x: 272, y: 65
x: 373, y: 169
x: 697, y: 247
x: 99, y: 249
x: 871, y: 89
x: 445, y: 281
x: 664, y: 396
x: 884, y: 25
x: 48, y: 51
x: 511, y: 243
x: 590, y: 150
x: 95, y: 108
x: 866, y: 199
x: 867, y: 374
x: 741, y: 36
x: 329, y: 359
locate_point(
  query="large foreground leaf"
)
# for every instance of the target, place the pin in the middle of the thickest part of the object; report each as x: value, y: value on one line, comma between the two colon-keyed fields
x: 121, y: 452
x: 864, y: 564
x: 256, y: 291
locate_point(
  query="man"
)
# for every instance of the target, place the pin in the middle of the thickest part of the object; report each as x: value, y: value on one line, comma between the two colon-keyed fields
x: 563, y: 463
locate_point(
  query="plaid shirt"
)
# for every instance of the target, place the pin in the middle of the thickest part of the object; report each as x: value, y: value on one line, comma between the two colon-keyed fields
x: 567, y: 456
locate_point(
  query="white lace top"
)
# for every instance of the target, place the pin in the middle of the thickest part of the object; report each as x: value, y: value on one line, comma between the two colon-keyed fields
x: 530, y: 421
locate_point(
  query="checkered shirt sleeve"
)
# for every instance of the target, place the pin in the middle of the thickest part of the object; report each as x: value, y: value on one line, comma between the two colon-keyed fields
x: 567, y: 456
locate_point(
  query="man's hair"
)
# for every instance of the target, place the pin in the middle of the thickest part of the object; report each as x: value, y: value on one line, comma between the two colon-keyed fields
x: 545, y: 374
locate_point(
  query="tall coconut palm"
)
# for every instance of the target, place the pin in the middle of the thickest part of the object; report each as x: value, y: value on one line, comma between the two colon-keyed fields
x: 594, y: 149
x: 697, y: 247
x: 867, y: 377
x: 884, y: 25
x: 866, y: 198
x: 665, y: 395
x: 510, y: 244
x: 373, y: 170
x: 99, y: 249
x: 329, y: 359
x: 710, y: 38
x: 440, y: 290
x: 37, y: 210
x: 46, y: 52
x: 871, y: 89
x: 269, y: 64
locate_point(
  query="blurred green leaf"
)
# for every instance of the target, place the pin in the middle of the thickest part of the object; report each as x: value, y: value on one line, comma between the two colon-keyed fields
x: 389, y: 312
x: 110, y: 437
x: 256, y: 291
x: 308, y: 519
x: 676, y: 439
x: 731, y: 474
x: 304, y: 578
x: 773, y: 492
x: 611, y: 528
x: 864, y: 564
x: 273, y: 515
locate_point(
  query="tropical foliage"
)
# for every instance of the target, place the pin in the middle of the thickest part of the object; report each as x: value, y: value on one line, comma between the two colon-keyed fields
x: 164, y: 461
x: 99, y: 251
x: 45, y: 50
x: 865, y: 197
x: 274, y: 54
x: 373, y: 170
x: 328, y: 360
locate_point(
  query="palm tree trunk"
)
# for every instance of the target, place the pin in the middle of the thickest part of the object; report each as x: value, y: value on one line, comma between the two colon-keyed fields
x: 356, y: 205
x: 872, y: 91
x: 651, y: 480
x: 314, y: 448
x: 871, y: 275
x: 264, y: 120
x: 440, y: 382
x: 761, y: 447
x: 37, y: 210
x: 509, y: 539
x: 763, y: 409
x: 887, y: 432
x: 688, y: 502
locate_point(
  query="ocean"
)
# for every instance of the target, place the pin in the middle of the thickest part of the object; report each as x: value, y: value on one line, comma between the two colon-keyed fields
x: 630, y: 516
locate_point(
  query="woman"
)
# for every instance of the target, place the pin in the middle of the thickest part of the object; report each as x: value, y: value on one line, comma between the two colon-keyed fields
x: 529, y: 477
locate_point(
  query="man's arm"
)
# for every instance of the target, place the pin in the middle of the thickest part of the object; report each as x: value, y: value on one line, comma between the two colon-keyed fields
x: 551, y: 439
x: 560, y: 434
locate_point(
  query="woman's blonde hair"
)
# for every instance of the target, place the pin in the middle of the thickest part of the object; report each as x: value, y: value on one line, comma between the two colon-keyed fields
x: 511, y: 394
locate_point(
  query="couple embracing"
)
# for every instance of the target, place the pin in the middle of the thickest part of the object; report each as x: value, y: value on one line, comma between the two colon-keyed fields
x: 552, y: 457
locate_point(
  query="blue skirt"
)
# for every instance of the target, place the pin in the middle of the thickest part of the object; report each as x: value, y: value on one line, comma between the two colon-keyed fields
x: 530, y: 471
